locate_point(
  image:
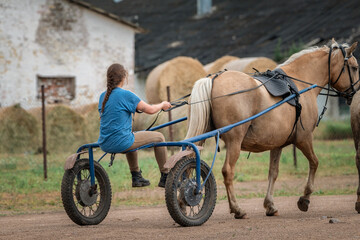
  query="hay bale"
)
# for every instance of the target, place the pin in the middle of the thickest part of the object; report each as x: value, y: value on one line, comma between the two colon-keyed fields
x: 179, y: 73
x: 85, y: 109
x: 218, y: 65
x: 92, y: 119
x: 246, y: 65
x: 208, y: 67
x: 37, y: 112
x: 19, y: 131
x: 66, y: 129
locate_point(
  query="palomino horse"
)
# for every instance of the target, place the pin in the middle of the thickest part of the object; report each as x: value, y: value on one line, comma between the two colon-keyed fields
x: 333, y: 65
x: 355, y: 125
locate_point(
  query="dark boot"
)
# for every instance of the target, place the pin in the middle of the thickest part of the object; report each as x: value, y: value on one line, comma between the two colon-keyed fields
x: 138, y: 180
x: 163, y: 180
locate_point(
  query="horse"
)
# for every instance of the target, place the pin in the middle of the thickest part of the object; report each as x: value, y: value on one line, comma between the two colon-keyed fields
x: 333, y: 65
x: 355, y: 126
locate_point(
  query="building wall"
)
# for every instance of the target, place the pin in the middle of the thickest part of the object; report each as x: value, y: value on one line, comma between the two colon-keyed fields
x: 58, y: 38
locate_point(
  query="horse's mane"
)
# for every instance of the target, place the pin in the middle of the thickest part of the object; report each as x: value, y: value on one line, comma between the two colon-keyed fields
x: 310, y: 50
x: 303, y: 52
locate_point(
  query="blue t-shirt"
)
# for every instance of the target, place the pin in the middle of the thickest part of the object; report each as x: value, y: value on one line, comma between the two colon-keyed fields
x: 116, y: 120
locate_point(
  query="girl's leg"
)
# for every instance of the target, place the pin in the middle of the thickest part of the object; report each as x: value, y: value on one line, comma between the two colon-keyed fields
x: 146, y: 137
x: 137, y: 179
x: 133, y: 161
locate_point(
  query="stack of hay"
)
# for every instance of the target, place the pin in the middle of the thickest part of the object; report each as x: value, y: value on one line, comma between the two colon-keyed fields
x: 179, y: 74
x: 19, y: 131
x: 66, y: 129
x: 245, y: 65
x: 218, y: 65
x: 92, y: 119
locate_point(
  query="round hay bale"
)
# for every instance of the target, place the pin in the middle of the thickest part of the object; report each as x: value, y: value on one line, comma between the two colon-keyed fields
x: 66, y: 130
x: 19, y: 131
x: 37, y: 112
x: 179, y: 73
x: 218, y: 65
x: 85, y: 109
x: 92, y: 119
x: 208, y: 66
x: 246, y: 65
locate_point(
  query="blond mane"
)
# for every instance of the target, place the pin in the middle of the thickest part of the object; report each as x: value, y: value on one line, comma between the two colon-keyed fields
x: 301, y: 53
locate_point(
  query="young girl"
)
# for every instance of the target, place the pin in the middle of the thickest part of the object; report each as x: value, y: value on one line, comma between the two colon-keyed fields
x: 116, y: 107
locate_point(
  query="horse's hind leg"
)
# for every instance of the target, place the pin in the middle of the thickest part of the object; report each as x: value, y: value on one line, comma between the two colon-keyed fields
x: 357, y: 204
x: 273, y: 173
x: 307, y: 149
x: 228, y: 170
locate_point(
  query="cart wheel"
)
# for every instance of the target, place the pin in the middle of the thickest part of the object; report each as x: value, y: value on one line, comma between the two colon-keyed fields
x: 83, y: 204
x: 185, y: 207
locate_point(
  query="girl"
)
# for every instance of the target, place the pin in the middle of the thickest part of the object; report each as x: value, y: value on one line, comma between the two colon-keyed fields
x: 116, y: 107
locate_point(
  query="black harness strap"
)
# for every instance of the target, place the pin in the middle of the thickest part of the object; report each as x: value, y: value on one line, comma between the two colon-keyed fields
x: 216, y: 74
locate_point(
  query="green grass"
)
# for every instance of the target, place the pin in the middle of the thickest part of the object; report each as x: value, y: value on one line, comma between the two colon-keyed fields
x: 23, y: 189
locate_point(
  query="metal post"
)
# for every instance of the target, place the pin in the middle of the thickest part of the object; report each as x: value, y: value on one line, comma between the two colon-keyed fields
x: 294, y: 154
x: 43, y: 130
x: 170, y: 119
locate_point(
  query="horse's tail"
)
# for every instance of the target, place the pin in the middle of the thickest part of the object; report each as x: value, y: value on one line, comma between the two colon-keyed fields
x: 199, y: 113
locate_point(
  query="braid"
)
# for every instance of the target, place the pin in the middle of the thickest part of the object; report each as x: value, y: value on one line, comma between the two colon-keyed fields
x: 110, y: 87
x: 116, y: 73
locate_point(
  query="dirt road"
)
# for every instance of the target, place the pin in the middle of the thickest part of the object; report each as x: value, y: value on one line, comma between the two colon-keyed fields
x: 156, y: 223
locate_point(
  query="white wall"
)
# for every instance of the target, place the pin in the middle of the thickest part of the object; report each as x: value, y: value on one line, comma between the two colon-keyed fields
x: 76, y: 42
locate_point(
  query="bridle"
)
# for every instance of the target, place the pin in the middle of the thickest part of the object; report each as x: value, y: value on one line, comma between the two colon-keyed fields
x: 346, y: 94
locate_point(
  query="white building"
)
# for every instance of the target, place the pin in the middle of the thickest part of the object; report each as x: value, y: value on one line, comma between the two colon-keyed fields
x: 65, y: 45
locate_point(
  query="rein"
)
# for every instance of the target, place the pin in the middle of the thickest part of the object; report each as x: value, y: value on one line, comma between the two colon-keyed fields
x: 178, y: 103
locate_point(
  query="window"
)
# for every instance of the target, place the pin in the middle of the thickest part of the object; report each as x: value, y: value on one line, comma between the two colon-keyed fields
x: 57, y: 89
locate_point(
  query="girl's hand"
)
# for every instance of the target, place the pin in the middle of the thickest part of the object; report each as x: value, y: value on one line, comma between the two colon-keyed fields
x: 165, y: 105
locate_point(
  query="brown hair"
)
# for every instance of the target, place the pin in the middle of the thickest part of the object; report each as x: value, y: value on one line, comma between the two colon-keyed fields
x: 116, y: 73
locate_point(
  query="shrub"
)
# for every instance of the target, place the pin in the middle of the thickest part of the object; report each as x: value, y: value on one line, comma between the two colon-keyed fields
x: 334, y: 130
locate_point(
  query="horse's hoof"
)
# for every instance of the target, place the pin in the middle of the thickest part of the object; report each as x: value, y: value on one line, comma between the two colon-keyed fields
x: 272, y: 213
x: 357, y: 207
x: 303, y: 204
x: 239, y: 216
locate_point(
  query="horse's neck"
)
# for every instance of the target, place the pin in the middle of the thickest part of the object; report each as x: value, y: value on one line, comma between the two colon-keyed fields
x: 311, y: 68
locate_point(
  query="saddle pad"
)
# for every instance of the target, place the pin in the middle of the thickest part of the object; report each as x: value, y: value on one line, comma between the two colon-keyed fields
x: 278, y: 85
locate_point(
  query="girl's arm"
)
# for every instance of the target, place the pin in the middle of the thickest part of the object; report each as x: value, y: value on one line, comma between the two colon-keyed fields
x: 151, y: 109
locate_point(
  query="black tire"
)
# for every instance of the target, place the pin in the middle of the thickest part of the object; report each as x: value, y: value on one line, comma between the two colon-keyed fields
x: 180, y: 210
x: 82, y: 208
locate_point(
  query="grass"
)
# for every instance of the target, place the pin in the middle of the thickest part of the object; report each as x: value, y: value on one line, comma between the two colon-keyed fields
x: 23, y: 189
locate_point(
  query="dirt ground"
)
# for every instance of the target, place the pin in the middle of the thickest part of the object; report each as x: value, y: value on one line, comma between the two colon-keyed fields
x: 156, y: 223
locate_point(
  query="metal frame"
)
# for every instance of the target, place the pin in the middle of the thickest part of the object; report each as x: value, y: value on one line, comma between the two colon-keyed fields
x: 190, y: 141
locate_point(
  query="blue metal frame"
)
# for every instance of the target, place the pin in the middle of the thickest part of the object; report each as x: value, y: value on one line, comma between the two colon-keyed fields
x: 190, y: 141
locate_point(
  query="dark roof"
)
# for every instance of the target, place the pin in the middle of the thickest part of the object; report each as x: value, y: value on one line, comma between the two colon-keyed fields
x: 239, y: 28
x: 115, y: 17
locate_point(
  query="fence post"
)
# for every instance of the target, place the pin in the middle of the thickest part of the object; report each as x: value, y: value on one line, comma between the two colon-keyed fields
x: 43, y: 130
x: 294, y: 154
x: 170, y: 119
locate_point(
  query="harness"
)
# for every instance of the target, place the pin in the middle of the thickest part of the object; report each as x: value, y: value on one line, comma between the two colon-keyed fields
x: 278, y: 75
x: 281, y: 86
